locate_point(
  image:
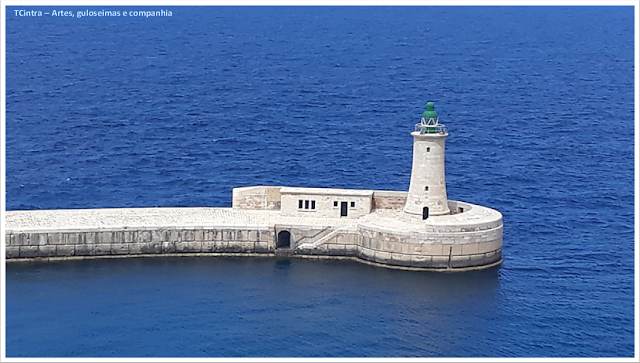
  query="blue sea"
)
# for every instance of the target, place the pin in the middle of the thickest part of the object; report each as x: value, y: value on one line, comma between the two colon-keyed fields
x: 175, y: 111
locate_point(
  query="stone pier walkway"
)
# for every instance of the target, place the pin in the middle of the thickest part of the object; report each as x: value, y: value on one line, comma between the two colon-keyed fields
x: 34, y: 220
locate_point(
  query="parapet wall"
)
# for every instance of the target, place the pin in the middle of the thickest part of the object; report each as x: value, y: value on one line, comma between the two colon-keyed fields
x: 258, y: 197
x: 387, y: 199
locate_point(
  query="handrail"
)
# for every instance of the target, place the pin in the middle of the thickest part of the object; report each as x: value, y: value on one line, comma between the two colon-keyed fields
x: 431, y: 129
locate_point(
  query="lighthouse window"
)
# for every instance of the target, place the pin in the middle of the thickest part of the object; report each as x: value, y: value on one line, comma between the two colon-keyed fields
x: 335, y: 203
x: 299, y: 203
x: 426, y: 189
x: 306, y: 204
x: 353, y: 204
x: 428, y: 149
x: 313, y: 204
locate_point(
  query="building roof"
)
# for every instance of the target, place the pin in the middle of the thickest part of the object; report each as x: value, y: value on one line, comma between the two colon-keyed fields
x: 328, y: 191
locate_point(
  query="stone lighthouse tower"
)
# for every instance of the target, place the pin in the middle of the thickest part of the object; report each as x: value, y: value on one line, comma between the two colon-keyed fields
x: 428, y: 190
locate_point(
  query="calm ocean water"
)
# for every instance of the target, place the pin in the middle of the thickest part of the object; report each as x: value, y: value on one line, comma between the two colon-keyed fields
x: 176, y: 111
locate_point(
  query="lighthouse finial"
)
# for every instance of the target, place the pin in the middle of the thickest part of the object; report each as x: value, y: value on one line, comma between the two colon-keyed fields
x: 429, y: 111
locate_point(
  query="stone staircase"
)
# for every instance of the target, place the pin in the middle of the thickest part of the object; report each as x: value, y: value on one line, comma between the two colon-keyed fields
x: 315, y: 244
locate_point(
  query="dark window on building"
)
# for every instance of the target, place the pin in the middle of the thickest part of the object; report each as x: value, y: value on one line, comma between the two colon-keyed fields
x: 335, y: 203
x: 313, y: 204
x: 426, y: 189
x: 428, y: 149
x: 306, y: 204
x: 300, y: 204
x: 353, y: 204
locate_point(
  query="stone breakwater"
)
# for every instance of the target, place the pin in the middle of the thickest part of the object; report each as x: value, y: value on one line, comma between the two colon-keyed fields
x: 454, y: 242
x: 142, y: 231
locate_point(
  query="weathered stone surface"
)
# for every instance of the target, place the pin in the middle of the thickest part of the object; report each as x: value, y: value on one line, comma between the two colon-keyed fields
x: 65, y: 250
x: 28, y: 251
x: 382, y: 257
x: 148, y: 248
x: 159, y: 235
x: 101, y: 249
x: 174, y: 235
x: 188, y: 247
x: 129, y: 236
x: 104, y: 237
x: 258, y: 197
x: 90, y: 238
x: 37, y: 239
x: 253, y: 236
x: 118, y: 237
x: 433, y: 249
x: 389, y: 200
x: 187, y: 235
x: 461, y: 261
x: 470, y: 249
x: 351, y: 250
x: 439, y: 261
x: 247, y: 247
x: 169, y: 247
x: 47, y: 251
x: 84, y: 250
x: 22, y: 239
x: 421, y: 261
x: 208, y: 246
x: 12, y: 251
x: 143, y: 237
x: 55, y: 238
x: 228, y: 235
x: 234, y: 247
x: 263, y: 247
x: 336, y: 250
x: 399, y: 259
x: 198, y: 235
x: 218, y: 235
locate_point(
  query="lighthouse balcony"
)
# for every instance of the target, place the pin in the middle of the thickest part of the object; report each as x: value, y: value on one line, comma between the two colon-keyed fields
x: 431, y: 129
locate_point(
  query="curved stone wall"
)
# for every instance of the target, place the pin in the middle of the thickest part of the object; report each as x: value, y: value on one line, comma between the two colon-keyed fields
x: 431, y: 250
x: 469, y: 238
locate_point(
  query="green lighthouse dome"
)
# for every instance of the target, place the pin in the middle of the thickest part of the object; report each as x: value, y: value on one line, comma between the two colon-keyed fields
x: 429, y: 111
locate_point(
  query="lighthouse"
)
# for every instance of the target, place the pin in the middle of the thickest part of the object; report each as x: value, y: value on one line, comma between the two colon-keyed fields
x: 428, y: 189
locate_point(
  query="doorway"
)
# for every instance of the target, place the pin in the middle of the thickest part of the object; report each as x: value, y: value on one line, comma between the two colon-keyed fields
x: 343, y: 209
x: 284, y: 240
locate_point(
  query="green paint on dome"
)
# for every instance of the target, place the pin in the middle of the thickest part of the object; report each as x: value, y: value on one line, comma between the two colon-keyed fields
x: 429, y: 111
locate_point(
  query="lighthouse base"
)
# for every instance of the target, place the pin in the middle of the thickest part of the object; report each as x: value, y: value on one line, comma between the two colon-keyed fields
x: 472, y: 238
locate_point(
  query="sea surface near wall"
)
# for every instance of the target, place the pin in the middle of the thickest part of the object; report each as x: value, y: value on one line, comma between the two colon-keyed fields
x: 176, y: 111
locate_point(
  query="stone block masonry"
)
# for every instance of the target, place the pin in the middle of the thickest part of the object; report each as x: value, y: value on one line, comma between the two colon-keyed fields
x: 95, y: 243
